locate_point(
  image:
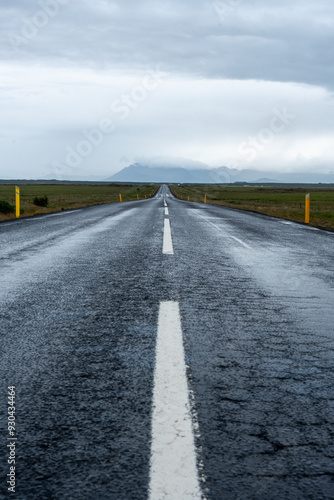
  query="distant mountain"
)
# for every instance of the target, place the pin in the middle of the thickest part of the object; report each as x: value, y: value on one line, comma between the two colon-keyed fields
x: 79, y: 178
x: 265, y: 180
x: 143, y: 173
x: 166, y: 173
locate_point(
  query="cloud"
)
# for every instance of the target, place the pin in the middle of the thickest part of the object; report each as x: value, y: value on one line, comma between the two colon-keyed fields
x: 254, y: 40
x: 226, y: 66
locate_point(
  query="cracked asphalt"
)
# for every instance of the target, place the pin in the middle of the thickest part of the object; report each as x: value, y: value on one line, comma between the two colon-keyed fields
x: 79, y: 303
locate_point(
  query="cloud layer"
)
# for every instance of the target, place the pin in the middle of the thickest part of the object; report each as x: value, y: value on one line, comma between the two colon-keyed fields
x: 224, y: 68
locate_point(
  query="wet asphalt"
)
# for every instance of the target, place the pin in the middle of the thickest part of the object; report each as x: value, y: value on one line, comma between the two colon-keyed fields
x: 79, y: 302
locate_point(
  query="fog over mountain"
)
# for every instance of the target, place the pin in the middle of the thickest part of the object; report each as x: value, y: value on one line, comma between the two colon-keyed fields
x: 165, y: 172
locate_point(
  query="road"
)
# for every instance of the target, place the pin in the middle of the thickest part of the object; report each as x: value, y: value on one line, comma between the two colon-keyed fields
x: 167, y: 352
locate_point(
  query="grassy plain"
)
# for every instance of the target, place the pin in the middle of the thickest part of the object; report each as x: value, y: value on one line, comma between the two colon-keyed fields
x: 281, y: 201
x: 69, y: 196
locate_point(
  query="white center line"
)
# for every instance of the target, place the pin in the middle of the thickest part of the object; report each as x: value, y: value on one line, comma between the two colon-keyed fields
x: 166, y: 211
x: 173, y: 469
x: 167, y: 243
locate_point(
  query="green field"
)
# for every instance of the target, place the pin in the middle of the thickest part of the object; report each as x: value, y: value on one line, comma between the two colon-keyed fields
x: 69, y: 196
x: 285, y: 202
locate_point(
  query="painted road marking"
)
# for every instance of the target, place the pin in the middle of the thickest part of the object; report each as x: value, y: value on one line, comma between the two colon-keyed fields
x: 219, y: 228
x: 173, y: 469
x: 167, y: 243
x: 24, y: 220
x: 298, y: 226
x: 166, y: 211
x: 60, y: 214
x: 165, y: 204
x: 239, y: 241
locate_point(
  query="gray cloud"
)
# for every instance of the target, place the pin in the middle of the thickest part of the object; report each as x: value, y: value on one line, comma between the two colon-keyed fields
x: 227, y: 64
x: 257, y: 39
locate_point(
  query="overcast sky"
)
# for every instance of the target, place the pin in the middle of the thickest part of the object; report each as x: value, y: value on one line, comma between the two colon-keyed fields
x: 90, y: 86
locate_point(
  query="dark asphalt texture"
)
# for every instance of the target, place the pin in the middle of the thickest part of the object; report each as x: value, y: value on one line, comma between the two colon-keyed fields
x: 79, y: 302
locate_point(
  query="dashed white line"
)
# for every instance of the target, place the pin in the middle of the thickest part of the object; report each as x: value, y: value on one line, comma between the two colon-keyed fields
x: 219, y: 228
x: 173, y: 469
x: 239, y: 241
x: 167, y: 243
x: 166, y: 211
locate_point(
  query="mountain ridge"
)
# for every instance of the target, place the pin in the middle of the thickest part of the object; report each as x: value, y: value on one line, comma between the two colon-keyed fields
x: 138, y: 172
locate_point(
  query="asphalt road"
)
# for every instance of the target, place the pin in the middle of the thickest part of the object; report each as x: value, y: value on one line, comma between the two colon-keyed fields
x: 88, y: 302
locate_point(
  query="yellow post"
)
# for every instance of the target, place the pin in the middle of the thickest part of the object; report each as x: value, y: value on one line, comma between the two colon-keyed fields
x: 205, y: 199
x: 307, y: 208
x: 188, y: 198
x: 17, y: 200
x: 120, y: 198
x: 137, y: 197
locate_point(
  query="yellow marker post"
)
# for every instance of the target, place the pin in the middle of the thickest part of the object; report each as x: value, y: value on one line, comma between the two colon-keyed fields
x: 120, y: 198
x: 188, y: 198
x: 307, y: 208
x: 17, y: 200
x: 137, y: 197
x: 205, y: 199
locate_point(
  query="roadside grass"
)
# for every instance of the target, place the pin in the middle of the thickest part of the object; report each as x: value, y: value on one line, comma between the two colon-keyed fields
x: 70, y: 196
x: 285, y: 202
